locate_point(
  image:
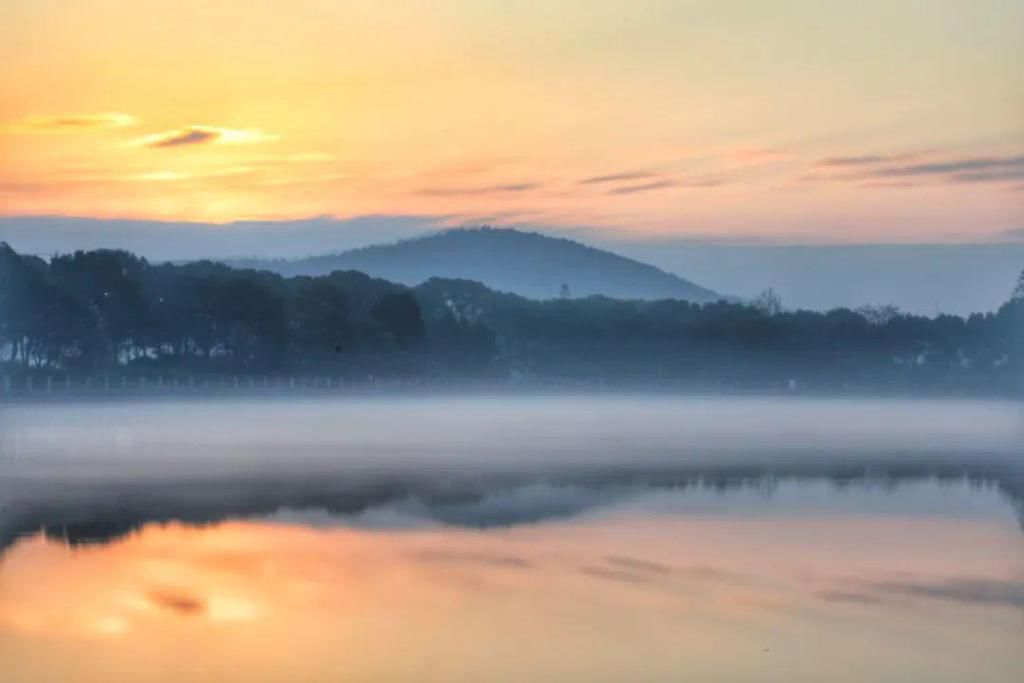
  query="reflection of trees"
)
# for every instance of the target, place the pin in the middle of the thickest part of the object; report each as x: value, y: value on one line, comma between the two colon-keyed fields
x: 98, y: 513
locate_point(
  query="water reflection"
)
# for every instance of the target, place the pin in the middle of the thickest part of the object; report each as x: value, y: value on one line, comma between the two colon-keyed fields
x: 698, y: 584
x: 507, y: 540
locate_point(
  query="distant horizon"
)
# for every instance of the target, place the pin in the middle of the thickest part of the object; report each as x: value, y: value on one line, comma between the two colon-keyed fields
x: 397, y: 227
x: 921, y: 278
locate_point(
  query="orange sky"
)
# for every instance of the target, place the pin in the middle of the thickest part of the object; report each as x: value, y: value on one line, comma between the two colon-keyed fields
x: 894, y: 120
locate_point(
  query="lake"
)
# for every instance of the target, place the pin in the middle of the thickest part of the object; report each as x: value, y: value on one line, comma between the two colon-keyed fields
x: 468, y: 538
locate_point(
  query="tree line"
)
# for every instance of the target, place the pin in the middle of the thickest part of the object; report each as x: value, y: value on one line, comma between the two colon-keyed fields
x: 110, y: 311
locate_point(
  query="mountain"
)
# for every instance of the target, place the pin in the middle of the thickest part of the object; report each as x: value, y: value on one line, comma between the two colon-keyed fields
x: 525, y: 263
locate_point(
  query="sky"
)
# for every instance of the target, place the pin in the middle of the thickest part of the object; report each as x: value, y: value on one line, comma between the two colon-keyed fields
x: 785, y: 122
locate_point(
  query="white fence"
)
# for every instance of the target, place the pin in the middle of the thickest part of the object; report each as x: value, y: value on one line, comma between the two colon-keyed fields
x: 162, y: 384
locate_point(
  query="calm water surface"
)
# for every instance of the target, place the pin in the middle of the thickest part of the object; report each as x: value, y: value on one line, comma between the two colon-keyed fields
x: 561, y: 539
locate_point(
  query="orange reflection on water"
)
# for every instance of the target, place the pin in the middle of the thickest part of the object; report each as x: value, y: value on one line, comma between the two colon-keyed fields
x: 708, y: 598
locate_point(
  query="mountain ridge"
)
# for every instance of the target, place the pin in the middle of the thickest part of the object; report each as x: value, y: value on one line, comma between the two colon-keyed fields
x: 530, y: 264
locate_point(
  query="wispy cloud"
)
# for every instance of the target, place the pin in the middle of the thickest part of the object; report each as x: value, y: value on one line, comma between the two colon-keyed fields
x: 618, y: 177
x: 505, y: 188
x: 177, y: 602
x: 203, y: 135
x: 970, y: 591
x: 851, y: 597
x: 644, y: 187
x: 861, y: 160
x: 890, y: 184
x: 971, y: 169
x: 470, y: 558
x: 668, y: 183
x: 73, y: 123
x: 875, y: 170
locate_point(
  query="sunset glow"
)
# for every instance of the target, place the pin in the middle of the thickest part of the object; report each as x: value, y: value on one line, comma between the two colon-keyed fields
x: 270, y: 601
x: 814, y: 121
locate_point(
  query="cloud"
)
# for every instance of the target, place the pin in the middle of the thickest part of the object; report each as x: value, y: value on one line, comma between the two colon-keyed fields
x: 1014, y: 234
x: 971, y: 169
x: 888, y: 171
x: 618, y: 575
x: 860, y: 160
x: 480, y: 190
x: 202, y: 135
x: 638, y: 565
x: 990, y: 176
x: 668, y: 183
x: 890, y: 184
x: 970, y: 591
x: 74, y: 123
x: 644, y: 187
x: 617, y: 177
x: 176, y: 602
x: 193, y: 136
x: 849, y: 597
x: 482, y: 559
x: 640, y: 571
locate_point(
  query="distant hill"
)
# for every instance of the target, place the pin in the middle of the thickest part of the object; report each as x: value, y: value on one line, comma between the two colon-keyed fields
x: 524, y: 263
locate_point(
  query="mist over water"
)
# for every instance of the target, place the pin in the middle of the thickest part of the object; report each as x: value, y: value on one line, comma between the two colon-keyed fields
x: 483, y: 431
x: 512, y: 538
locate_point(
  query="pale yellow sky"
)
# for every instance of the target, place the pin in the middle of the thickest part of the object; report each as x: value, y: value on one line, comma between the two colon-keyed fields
x: 833, y: 121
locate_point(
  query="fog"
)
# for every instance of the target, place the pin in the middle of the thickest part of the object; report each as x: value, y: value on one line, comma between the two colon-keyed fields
x: 105, y: 468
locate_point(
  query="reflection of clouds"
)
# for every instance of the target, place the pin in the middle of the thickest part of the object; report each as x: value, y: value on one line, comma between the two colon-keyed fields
x: 144, y: 582
x: 848, y: 597
x: 638, y: 565
x: 483, y: 559
x: 727, y: 579
x: 176, y: 601
x: 968, y: 591
x: 637, y: 570
x: 622, y: 575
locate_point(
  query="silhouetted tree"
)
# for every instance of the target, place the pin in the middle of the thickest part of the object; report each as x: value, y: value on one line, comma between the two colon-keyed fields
x: 1018, y: 291
x: 879, y: 315
x: 768, y: 302
x: 109, y: 283
x: 110, y: 309
x: 399, y: 314
x: 318, y: 321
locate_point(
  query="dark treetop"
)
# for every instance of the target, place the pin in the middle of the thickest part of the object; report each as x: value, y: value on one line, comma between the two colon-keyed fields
x: 99, y: 312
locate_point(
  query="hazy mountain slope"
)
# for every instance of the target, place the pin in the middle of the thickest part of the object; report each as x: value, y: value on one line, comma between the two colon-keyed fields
x: 529, y: 264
